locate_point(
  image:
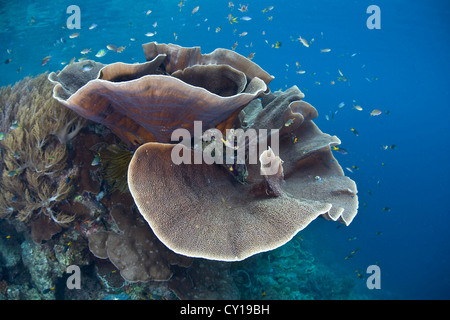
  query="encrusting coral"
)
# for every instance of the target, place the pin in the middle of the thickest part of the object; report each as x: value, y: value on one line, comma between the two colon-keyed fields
x: 134, y: 250
x: 35, y: 172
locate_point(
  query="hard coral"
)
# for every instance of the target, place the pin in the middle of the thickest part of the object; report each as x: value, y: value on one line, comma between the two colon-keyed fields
x: 144, y: 102
x: 200, y: 211
x: 135, y: 251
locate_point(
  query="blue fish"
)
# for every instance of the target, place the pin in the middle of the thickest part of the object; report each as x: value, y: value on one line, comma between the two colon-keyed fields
x: 96, y: 160
x: 15, y: 125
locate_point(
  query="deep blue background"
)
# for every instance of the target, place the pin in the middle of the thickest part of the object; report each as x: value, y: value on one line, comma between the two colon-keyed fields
x: 409, y: 57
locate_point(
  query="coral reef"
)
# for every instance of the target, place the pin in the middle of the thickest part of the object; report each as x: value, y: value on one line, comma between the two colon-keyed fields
x: 34, y: 153
x: 71, y: 186
x: 290, y: 273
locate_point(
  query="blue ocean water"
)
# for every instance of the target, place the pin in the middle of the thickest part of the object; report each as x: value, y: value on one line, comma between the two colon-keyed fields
x: 401, y: 69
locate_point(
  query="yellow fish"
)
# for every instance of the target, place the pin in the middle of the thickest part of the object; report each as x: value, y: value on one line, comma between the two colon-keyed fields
x: 278, y: 44
x: 355, y: 132
x: 289, y: 122
x: 232, y: 19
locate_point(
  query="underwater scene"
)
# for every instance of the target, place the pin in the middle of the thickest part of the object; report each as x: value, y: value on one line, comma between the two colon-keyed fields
x: 224, y: 150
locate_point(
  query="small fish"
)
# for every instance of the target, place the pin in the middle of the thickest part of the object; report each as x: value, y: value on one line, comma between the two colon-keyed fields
x: 155, y: 24
x: 218, y: 29
x: 294, y: 139
x: 96, y: 160
x: 300, y: 71
x: 375, y: 112
x: 325, y: 50
x: 111, y: 47
x: 393, y: 146
x: 359, y: 108
x: 351, y: 254
x: 2, y: 136
x: 120, y: 49
x: 85, y: 51
x: 341, y: 105
x: 68, y: 179
x: 340, y: 73
x: 45, y: 60
x: 93, y: 26
x: 13, y: 173
x: 303, y: 41
x: 8, y: 61
x: 100, y: 53
x: 148, y: 12
x: 351, y: 239
x: 388, y: 209
x: 267, y: 9
x: 378, y: 233
x: 243, y: 7
x: 350, y: 170
x: 278, y: 44
x: 289, y: 122
x: 74, y: 35
x: 48, y: 290
x: 232, y: 19
x: 340, y: 150
x: 67, y: 246
x: 8, y: 237
x: 246, y: 18
x: 243, y: 34
x: 14, y: 125
x: 318, y: 179
x: 181, y: 5
x: 354, y: 131
x: 150, y: 34
x: 234, y: 46
x: 195, y: 9
x: 251, y: 55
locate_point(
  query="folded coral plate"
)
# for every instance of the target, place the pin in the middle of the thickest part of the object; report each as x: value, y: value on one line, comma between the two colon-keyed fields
x: 213, y: 211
